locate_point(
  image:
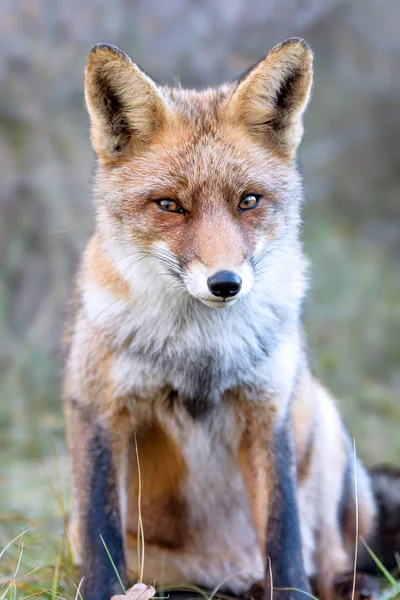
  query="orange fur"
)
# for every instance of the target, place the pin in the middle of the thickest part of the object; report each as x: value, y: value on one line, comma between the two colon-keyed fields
x: 207, y: 485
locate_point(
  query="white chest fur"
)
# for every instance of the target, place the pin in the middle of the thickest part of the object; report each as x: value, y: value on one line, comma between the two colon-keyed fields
x: 164, y: 340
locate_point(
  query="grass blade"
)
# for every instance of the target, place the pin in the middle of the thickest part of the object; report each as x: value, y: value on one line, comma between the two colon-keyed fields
x: 357, y: 524
x: 113, y: 565
x: 381, y: 566
x: 140, y: 520
x: 14, y: 540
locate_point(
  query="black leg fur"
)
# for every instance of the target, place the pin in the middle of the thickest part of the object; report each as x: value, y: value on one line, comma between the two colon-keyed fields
x: 102, y: 518
x: 283, y: 531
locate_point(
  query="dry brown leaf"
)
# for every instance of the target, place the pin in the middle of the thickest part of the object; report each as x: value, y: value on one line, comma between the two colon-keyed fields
x: 139, y: 591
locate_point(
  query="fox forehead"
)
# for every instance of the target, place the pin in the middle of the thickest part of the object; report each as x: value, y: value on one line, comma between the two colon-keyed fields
x: 199, y: 154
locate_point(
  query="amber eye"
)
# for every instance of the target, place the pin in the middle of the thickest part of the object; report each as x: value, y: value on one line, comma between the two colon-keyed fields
x: 170, y: 205
x: 248, y: 202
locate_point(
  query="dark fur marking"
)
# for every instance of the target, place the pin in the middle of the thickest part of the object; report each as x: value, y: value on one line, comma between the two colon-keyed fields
x: 385, y: 541
x: 102, y: 518
x: 365, y: 587
x: 200, y: 396
x: 286, y: 89
x: 198, y: 408
x: 283, y: 531
x: 203, y: 391
x: 346, y: 497
x: 114, y: 110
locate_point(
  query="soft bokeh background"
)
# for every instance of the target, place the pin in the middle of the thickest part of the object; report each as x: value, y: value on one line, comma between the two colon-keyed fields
x: 350, y: 159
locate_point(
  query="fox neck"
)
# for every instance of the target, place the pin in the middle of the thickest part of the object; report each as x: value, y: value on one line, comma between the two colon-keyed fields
x: 199, y: 351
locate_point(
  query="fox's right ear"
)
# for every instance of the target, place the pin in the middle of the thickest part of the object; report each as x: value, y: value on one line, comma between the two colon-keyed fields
x: 126, y: 106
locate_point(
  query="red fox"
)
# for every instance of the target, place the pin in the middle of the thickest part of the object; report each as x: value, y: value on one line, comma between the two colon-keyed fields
x: 185, y: 338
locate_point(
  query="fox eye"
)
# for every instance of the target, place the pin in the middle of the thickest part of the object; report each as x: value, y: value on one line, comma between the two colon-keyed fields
x: 170, y: 205
x: 248, y: 202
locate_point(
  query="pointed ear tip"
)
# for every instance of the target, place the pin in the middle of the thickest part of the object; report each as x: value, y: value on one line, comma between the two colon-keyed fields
x: 104, y: 51
x: 296, y: 41
x: 297, y: 46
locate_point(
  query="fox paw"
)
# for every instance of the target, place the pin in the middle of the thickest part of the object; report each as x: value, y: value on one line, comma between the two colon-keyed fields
x: 259, y: 592
x: 366, y: 588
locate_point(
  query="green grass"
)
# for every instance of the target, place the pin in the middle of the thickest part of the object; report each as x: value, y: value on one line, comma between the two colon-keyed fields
x: 35, y: 562
x: 352, y: 318
x: 38, y: 562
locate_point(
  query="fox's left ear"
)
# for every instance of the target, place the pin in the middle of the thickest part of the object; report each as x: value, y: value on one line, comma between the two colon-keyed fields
x: 271, y: 98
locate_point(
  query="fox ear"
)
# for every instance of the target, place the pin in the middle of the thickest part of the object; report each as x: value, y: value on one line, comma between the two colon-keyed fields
x: 126, y: 106
x: 271, y: 98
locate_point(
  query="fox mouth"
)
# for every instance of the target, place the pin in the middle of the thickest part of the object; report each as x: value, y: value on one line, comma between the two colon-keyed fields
x: 214, y: 303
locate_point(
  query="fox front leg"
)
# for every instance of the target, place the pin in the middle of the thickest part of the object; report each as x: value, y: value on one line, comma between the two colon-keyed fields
x: 97, y: 460
x: 269, y: 472
x: 283, y: 543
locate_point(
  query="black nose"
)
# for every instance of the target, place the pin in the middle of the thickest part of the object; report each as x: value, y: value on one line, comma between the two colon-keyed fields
x: 224, y: 284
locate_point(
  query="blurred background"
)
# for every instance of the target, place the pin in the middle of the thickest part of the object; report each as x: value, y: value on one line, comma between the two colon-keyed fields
x: 350, y: 159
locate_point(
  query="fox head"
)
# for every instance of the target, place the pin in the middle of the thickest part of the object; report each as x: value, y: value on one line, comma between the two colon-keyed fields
x: 200, y: 186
